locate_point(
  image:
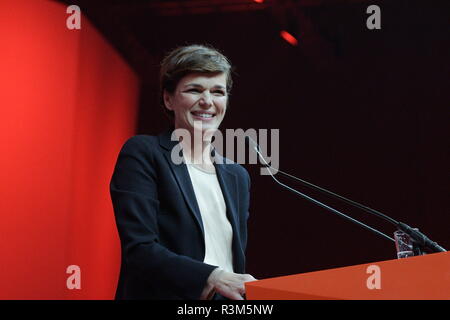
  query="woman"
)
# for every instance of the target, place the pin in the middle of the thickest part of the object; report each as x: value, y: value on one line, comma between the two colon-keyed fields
x: 182, y: 227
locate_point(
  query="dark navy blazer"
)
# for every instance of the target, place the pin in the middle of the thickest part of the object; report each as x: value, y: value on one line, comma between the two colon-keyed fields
x: 159, y: 222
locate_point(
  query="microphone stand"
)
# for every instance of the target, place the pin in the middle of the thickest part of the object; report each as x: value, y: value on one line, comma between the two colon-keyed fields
x: 304, y: 196
x: 420, y: 241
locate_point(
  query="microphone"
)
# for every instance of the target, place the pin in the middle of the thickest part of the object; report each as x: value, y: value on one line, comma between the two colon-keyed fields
x: 304, y: 196
x: 419, y: 239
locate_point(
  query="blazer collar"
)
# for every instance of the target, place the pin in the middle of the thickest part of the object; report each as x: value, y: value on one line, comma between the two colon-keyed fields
x: 165, y: 141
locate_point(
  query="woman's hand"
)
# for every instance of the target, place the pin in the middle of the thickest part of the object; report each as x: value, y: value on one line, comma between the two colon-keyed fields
x: 228, y: 284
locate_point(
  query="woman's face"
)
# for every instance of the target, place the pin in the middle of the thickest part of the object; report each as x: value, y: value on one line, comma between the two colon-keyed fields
x: 198, y: 99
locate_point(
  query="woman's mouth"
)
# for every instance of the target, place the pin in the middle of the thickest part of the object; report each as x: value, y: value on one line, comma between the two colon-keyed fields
x: 203, y: 115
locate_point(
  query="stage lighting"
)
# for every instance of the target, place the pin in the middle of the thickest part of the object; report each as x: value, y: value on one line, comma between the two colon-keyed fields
x: 289, y: 37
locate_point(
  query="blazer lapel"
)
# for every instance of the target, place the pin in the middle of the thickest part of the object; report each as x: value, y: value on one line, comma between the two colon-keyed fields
x: 181, y: 174
x: 228, y: 184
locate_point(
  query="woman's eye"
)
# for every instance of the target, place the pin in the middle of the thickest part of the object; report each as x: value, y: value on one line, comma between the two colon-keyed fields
x: 216, y: 93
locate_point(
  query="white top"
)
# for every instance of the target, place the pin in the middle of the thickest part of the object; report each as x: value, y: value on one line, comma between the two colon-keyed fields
x: 218, y: 230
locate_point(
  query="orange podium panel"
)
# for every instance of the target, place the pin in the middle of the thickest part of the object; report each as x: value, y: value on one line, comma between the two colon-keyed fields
x: 415, y: 278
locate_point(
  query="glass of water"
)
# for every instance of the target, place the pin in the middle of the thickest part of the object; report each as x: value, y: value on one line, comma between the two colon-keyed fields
x: 403, y: 244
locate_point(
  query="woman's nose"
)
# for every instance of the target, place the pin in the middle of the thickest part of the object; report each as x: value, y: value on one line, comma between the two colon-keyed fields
x: 205, y: 100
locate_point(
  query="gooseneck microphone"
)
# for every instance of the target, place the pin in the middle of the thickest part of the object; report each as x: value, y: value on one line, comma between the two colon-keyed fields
x: 419, y: 239
x: 304, y: 196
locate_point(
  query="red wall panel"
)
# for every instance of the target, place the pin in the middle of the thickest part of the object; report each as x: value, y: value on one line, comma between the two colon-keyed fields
x: 67, y: 103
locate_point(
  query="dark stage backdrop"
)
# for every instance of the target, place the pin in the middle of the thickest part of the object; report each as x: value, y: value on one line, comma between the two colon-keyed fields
x: 361, y: 112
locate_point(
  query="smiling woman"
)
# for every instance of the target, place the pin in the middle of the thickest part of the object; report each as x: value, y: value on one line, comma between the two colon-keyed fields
x: 192, y: 59
x: 183, y: 227
x: 198, y: 97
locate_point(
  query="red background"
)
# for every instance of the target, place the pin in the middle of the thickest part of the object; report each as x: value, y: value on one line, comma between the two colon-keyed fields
x: 68, y: 102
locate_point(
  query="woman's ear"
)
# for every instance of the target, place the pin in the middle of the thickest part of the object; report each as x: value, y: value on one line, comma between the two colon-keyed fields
x: 167, y: 100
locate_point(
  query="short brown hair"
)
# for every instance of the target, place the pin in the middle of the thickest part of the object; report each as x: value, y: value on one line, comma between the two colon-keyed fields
x: 188, y: 59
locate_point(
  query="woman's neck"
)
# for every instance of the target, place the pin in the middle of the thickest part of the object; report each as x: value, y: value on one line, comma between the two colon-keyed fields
x: 197, y: 148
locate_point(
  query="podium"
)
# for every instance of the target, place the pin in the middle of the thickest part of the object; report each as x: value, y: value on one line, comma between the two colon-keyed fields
x: 415, y: 278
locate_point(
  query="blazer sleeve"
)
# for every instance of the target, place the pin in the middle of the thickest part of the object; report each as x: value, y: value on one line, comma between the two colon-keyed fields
x: 134, y: 196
